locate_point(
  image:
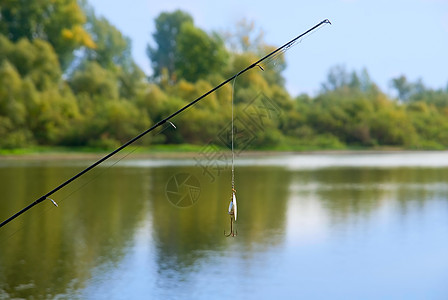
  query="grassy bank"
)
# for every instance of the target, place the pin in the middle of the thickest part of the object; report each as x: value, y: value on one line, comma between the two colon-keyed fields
x: 46, y: 151
x: 178, y: 150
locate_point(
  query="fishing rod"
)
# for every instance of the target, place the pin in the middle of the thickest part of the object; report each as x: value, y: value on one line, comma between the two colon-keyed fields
x: 161, y: 122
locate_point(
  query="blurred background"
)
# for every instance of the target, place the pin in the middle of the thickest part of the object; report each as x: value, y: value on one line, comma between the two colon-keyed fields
x: 341, y: 160
x: 94, y: 74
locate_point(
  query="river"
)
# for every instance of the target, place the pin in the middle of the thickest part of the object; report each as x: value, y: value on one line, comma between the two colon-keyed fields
x: 310, y: 226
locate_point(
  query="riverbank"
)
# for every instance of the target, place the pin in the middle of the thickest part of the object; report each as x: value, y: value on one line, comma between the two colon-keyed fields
x: 171, y: 151
x: 40, y: 152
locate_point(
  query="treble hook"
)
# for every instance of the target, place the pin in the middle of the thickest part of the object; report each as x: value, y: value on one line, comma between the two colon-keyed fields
x: 232, y: 212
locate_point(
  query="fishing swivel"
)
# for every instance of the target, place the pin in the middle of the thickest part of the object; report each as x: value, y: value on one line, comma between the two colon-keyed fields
x: 233, y: 214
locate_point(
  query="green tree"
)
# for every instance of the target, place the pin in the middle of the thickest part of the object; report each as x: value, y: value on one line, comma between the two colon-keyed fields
x: 113, y: 52
x: 168, y: 27
x: 29, y: 115
x: 403, y: 87
x: 112, y: 47
x: 438, y: 97
x: 122, y: 120
x: 57, y: 111
x: 36, y: 60
x: 11, y: 102
x: 60, y: 22
x: 37, y: 103
x: 198, y: 54
x: 95, y: 81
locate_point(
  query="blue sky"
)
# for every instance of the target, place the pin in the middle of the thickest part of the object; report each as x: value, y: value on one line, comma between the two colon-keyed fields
x: 387, y: 37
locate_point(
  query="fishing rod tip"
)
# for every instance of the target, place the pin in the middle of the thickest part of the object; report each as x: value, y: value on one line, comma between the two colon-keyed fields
x: 327, y: 21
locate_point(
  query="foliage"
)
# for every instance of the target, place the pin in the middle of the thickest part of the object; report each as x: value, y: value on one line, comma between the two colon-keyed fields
x: 197, y: 54
x: 95, y: 81
x: 168, y: 26
x: 59, y: 22
x: 35, y: 60
x: 112, y: 53
x: 104, y: 99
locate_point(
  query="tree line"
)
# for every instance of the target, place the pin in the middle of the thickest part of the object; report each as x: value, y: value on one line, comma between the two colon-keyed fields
x: 67, y: 78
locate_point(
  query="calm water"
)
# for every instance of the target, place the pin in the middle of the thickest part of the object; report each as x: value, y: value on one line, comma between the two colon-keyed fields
x: 365, y: 226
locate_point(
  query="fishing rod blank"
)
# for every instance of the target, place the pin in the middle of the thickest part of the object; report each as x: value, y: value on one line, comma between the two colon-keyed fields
x: 161, y: 122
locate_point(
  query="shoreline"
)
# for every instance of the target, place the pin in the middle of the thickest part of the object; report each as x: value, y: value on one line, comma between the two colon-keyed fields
x: 172, y: 154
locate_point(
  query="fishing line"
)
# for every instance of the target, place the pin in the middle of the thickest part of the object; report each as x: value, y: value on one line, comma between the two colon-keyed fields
x: 270, y: 62
x: 161, y: 122
x: 232, y: 135
x: 232, y: 210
